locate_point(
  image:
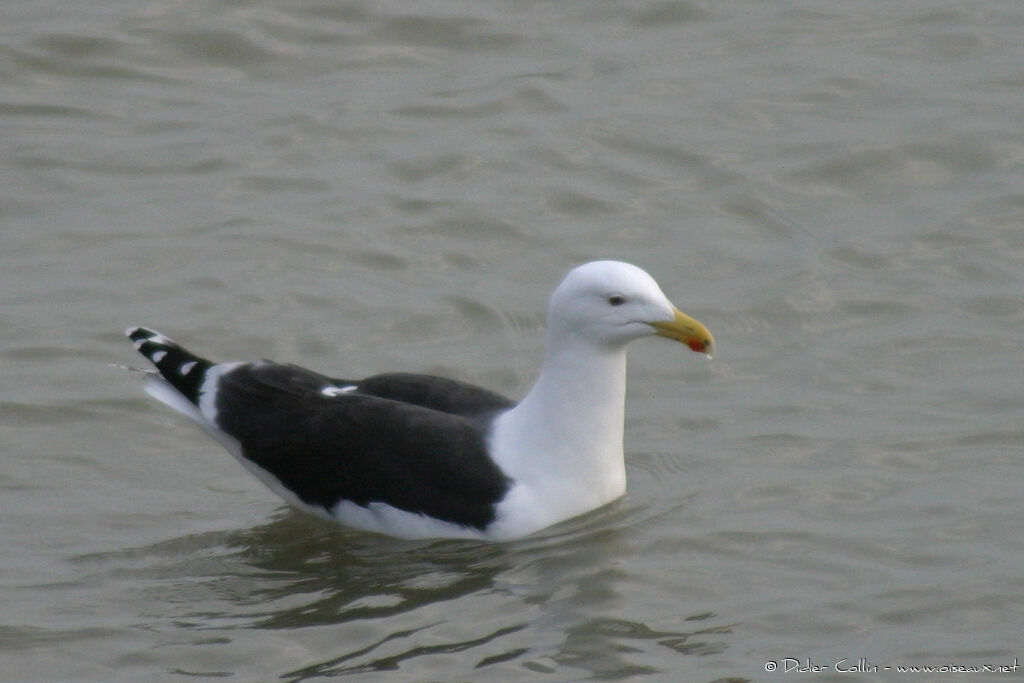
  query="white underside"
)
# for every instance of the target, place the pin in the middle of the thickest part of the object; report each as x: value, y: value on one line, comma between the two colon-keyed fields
x: 386, y: 519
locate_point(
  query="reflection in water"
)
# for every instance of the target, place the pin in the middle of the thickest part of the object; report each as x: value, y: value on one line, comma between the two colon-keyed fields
x: 543, y: 604
x: 346, y: 575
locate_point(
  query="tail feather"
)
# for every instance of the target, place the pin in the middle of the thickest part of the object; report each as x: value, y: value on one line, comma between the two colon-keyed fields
x: 180, y: 368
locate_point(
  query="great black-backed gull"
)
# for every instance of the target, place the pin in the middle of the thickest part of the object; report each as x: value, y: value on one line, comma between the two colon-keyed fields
x: 418, y: 456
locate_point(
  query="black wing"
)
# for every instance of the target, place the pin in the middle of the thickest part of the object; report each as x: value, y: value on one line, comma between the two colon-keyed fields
x: 382, y: 442
x: 436, y: 393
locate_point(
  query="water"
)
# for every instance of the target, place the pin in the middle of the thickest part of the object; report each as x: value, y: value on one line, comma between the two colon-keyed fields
x: 834, y: 188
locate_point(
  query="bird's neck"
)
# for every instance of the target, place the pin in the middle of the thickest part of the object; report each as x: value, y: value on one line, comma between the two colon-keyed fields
x: 568, y: 429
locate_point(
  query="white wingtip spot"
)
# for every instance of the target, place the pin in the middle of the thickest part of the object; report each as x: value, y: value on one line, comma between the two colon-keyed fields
x: 186, y: 367
x: 158, y: 356
x: 161, y: 339
x: 337, y: 391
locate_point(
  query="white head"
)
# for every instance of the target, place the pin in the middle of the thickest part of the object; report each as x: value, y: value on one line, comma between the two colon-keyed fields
x: 611, y: 303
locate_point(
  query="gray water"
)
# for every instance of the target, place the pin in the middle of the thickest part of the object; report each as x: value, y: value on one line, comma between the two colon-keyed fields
x: 835, y: 188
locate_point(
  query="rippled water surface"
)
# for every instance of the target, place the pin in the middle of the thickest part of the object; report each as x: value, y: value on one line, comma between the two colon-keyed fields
x: 835, y: 188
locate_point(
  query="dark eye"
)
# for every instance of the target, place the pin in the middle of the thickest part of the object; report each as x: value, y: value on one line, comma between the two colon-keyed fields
x: 616, y: 299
